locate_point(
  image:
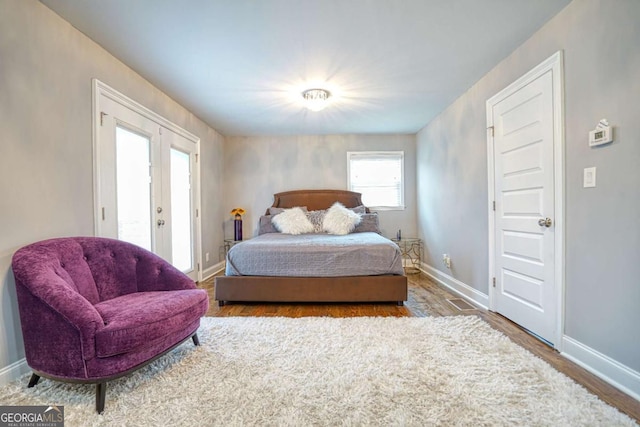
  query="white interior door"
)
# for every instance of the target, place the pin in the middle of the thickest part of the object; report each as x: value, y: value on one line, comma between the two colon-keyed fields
x: 147, y: 185
x: 524, y: 218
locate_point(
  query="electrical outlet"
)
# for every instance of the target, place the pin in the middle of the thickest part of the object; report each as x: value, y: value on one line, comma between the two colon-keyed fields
x: 446, y: 259
x: 206, y: 257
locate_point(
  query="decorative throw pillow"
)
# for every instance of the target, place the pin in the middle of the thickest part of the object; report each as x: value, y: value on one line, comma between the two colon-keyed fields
x: 340, y: 220
x: 292, y: 221
x: 265, y: 225
x: 359, y: 209
x: 316, y: 218
x: 369, y: 223
x: 276, y: 211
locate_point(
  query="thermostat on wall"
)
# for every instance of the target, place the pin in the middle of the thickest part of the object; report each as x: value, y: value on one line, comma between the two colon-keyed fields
x: 602, y: 134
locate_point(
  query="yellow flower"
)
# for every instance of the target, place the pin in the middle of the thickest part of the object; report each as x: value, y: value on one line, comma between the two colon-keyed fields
x: 237, y: 211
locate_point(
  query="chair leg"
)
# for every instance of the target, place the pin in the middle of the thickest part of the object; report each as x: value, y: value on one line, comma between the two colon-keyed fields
x: 196, y: 340
x: 33, y: 380
x: 101, y: 394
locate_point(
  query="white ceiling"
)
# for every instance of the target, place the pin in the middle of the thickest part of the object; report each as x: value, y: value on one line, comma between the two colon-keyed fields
x: 241, y: 65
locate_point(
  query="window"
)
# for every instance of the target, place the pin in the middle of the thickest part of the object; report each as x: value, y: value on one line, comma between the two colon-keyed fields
x: 379, y: 176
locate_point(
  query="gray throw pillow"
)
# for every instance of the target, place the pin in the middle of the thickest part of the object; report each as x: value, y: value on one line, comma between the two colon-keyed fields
x: 276, y: 211
x: 265, y: 225
x: 369, y: 223
x: 316, y: 218
x: 359, y: 209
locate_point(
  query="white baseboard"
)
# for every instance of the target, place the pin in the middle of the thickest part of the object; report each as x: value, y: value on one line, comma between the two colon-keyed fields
x: 212, y: 270
x: 610, y: 370
x: 13, y: 371
x: 456, y: 286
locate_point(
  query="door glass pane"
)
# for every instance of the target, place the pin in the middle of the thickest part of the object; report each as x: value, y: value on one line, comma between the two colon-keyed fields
x: 133, y: 188
x: 181, y: 236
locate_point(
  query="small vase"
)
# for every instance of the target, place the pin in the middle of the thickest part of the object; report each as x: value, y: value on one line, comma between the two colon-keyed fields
x: 237, y: 229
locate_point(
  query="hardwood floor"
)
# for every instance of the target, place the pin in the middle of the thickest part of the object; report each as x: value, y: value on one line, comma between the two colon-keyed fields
x: 427, y: 298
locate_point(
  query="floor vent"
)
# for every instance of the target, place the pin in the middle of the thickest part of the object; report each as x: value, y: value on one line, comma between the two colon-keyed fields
x: 461, y: 304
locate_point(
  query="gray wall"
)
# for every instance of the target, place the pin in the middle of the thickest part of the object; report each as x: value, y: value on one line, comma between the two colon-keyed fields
x: 601, y: 44
x: 46, y: 185
x: 46, y: 178
x: 257, y: 167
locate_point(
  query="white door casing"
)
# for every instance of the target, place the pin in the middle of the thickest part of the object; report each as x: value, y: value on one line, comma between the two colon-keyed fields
x: 113, y: 110
x: 525, y: 146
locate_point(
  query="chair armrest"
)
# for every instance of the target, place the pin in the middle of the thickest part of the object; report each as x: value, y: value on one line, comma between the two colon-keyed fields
x: 51, y: 294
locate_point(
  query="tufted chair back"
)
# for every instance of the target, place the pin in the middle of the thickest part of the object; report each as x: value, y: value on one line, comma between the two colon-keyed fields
x: 99, y: 269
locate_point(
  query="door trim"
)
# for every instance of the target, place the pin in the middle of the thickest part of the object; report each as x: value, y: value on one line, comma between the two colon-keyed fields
x: 554, y: 64
x: 100, y: 89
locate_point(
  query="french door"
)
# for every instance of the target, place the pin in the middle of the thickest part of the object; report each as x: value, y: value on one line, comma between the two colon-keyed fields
x: 146, y: 184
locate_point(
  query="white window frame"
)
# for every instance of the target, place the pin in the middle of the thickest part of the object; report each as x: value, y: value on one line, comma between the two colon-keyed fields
x: 377, y: 155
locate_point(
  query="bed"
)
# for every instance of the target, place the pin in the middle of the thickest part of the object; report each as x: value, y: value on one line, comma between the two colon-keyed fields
x: 264, y: 284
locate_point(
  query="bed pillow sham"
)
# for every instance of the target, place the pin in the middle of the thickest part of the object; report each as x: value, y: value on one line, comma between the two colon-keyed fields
x: 266, y: 226
x: 275, y: 211
x: 340, y: 220
x: 316, y: 218
x: 359, y: 209
x: 292, y: 221
x: 369, y: 223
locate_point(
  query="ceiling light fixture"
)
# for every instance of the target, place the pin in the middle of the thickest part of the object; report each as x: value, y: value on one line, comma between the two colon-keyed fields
x: 316, y: 99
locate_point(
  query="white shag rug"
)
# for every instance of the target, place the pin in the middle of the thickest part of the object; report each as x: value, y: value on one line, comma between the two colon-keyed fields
x: 318, y: 371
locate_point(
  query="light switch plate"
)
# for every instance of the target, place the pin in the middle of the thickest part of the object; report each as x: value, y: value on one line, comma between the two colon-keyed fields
x: 589, y: 179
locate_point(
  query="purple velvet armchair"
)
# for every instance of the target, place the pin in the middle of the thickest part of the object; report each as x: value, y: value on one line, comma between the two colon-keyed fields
x: 95, y: 309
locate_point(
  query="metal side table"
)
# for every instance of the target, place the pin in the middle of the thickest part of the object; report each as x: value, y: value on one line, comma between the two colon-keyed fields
x: 411, y: 249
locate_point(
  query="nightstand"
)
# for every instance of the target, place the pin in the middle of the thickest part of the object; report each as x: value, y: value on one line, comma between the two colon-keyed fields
x: 229, y: 243
x: 411, y: 250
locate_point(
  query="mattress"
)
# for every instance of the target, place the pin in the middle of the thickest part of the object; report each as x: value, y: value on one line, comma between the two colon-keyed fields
x: 315, y: 255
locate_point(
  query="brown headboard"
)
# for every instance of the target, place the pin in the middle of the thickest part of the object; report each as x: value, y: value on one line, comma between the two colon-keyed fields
x: 316, y: 199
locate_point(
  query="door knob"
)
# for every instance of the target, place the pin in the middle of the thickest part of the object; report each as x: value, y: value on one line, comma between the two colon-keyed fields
x: 545, y: 222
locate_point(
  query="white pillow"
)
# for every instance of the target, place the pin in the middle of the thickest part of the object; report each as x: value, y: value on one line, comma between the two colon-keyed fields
x: 340, y: 220
x: 292, y: 221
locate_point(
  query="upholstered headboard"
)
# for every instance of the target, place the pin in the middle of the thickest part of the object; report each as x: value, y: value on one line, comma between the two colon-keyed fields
x: 316, y: 199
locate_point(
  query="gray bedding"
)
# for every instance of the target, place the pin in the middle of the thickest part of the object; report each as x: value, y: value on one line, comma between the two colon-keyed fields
x: 315, y: 255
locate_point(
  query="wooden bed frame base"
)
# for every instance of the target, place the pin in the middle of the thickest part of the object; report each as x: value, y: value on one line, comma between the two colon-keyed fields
x: 387, y: 288
x: 311, y: 289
